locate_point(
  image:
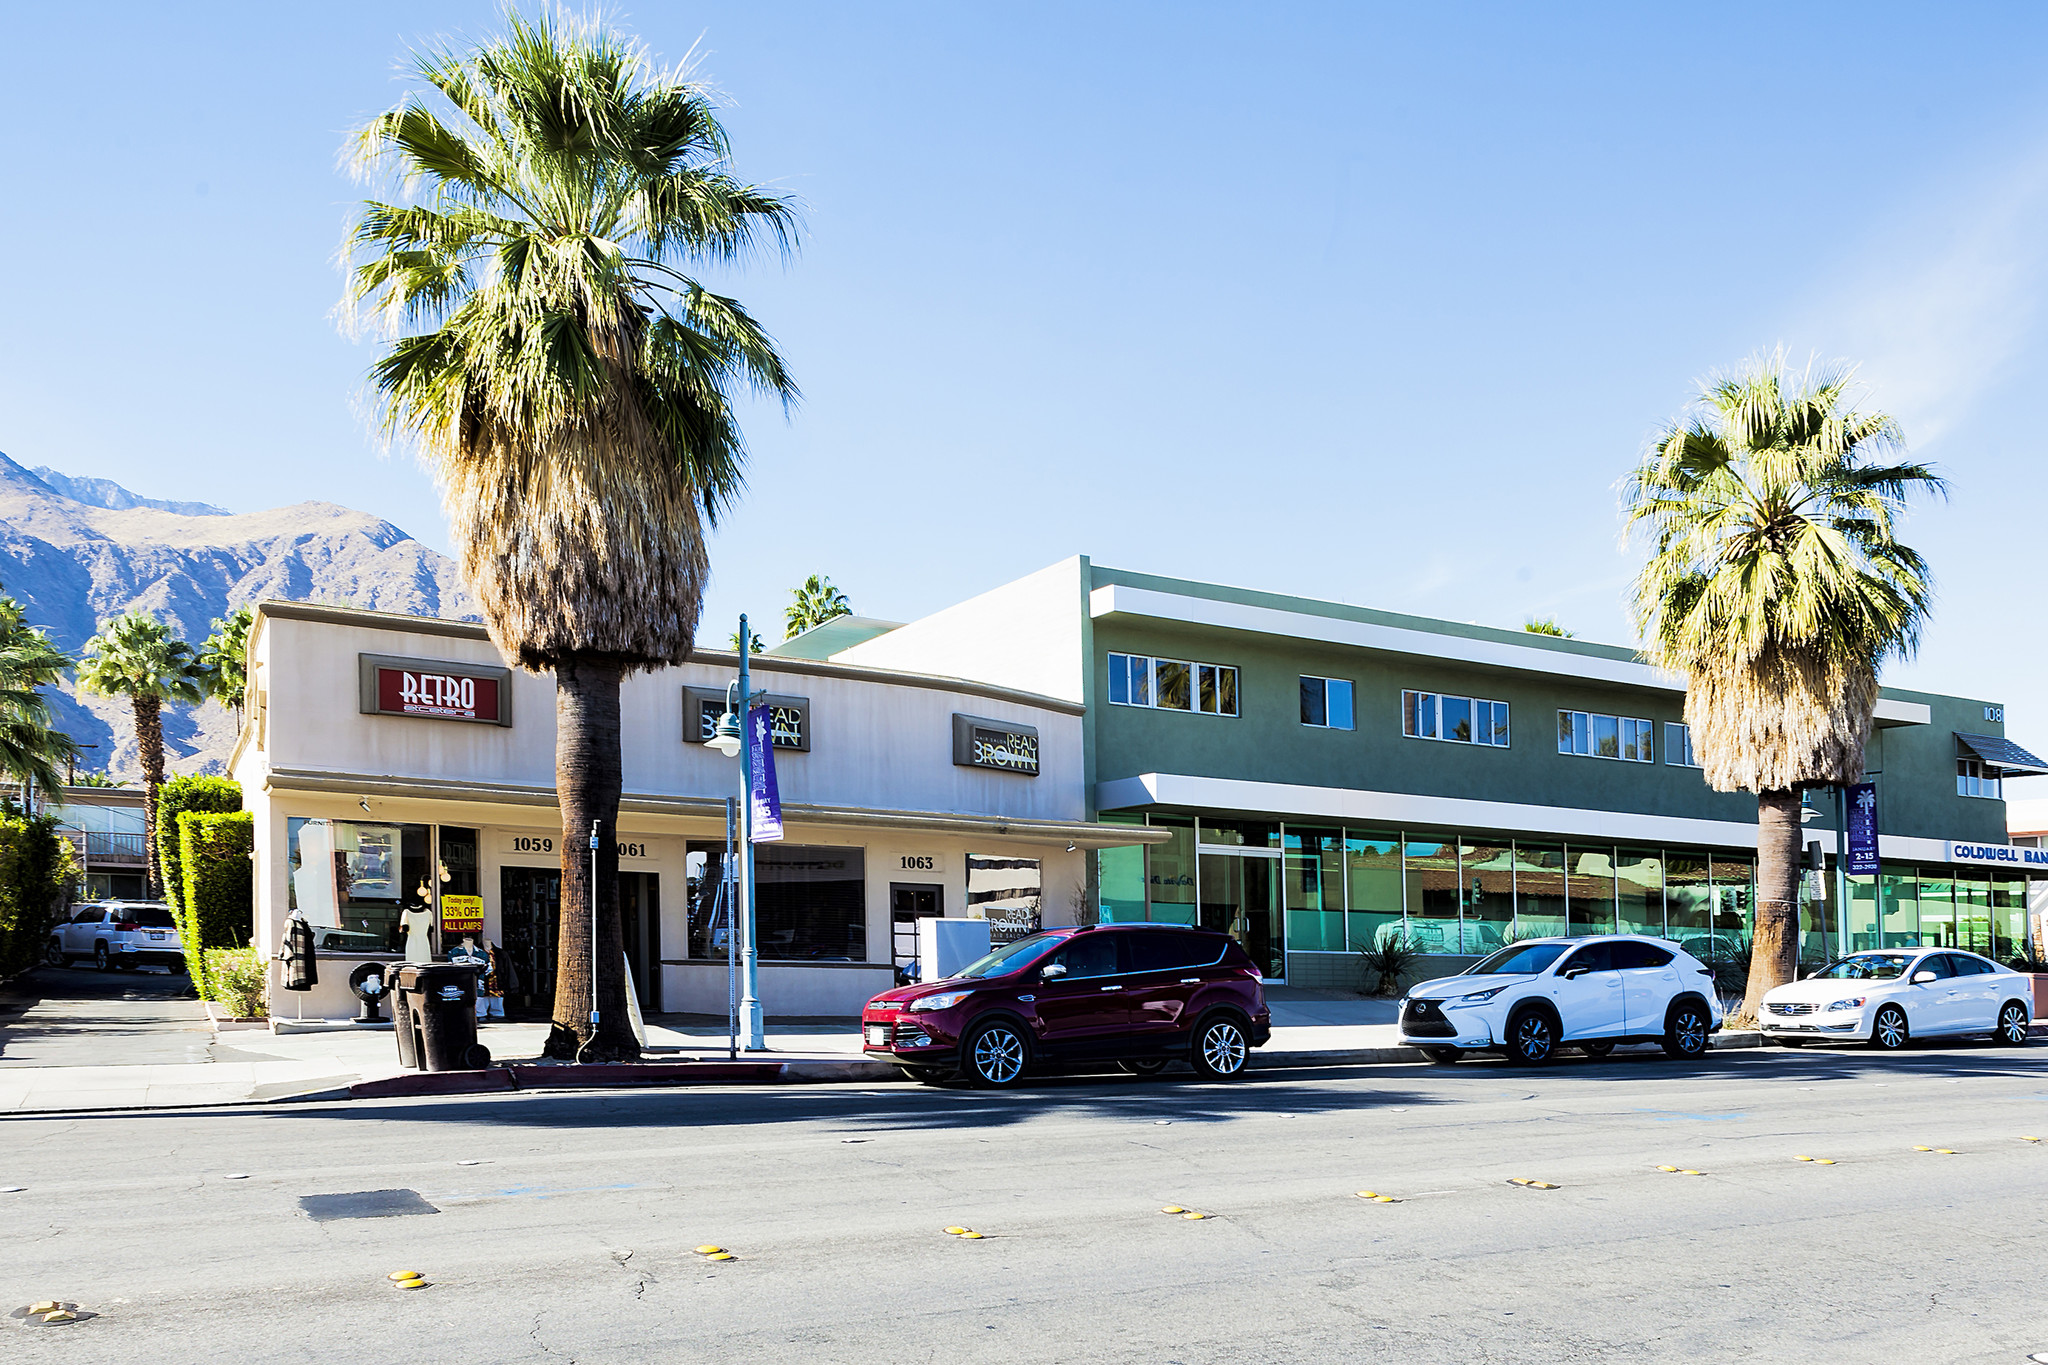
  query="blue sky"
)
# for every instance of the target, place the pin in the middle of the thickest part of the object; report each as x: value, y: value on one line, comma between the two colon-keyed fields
x: 1371, y: 303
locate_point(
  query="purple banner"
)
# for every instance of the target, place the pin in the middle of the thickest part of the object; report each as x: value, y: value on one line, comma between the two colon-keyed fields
x: 767, y: 800
x: 1861, y: 859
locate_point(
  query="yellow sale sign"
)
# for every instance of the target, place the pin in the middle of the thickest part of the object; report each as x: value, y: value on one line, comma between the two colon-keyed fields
x: 462, y: 915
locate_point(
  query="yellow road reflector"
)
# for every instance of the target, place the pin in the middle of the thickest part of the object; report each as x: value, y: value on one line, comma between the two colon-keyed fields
x: 1691, y: 1173
x: 46, y: 1306
x: 1173, y: 1208
x: 2030, y: 1139
x: 1384, y: 1199
x: 1669, y: 1170
x: 721, y: 1256
x: 1802, y: 1158
x: 405, y: 1275
x: 1529, y: 1184
x: 1918, y: 1148
x: 709, y: 1250
x: 60, y: 1315
x: 970, y: 1237
x: 1192, y: 1214
x: 1823, y: 1161
x: 1368, y: 1194
x: 411, y: 1284
x: 1945, y: 1151
x: 956, y: 1232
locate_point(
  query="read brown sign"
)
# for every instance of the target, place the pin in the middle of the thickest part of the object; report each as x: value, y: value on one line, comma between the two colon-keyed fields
x: 435, y: 689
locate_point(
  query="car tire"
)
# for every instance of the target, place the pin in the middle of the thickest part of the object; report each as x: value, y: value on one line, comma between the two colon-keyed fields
x: 2012, y: 1025
x: 1532, y: 1038
x: 1687, y: 1030
x: 1443, y: 1056
x: 1143, y: 1066
x: 1597, y: 1048
x: 101, y: 958
x: 996, y: 1055
x: 1221, y: 1048
x: 55, y: 955
x: 1888, y: 1029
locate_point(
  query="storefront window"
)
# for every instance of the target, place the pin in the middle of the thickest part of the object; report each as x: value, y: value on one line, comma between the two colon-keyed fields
x: 1973, y: 914
x: 1639, y: 892
x: 1007, y: 892
x: 1862, y: 914
x: 1372, y: 875
x: 1591, y: 888
x: 1120, y: 878
x: 1898, y: 900
x: 1241, y: 833
x: 1430, y: 871
x: 2008, y: 918
x: 1539, y: 890
x: 1734, y: 889
x: 810, y: 903
x: 354, y: 878
x: 1688, y: 901
x: 1937, y: 909
x: 1170, y: 872
x: 709, y: 900
x: 1314, y: 887
x: 1487, y: 872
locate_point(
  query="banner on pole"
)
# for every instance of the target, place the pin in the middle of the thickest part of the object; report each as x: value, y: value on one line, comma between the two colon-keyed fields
x: 761, y: 756
x: 1862, y: 842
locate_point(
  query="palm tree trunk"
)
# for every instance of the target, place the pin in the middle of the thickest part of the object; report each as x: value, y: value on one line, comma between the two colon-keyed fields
x: 149, y: 737
x: 587, y: 783
x: 1774, y: 951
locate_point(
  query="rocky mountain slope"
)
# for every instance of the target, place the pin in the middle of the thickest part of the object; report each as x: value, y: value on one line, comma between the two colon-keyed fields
x: 75, y: 551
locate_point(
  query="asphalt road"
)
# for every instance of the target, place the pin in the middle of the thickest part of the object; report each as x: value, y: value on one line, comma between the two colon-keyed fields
x: 81, y: 1016
x: 572, y: 1238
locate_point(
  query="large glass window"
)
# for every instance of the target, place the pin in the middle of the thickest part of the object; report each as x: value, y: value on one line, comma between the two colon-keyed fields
x: 1898, y: 902
x: 1540, y: 898
x: 1973, y: 914
x: 1975, y: 779
x: 1172, y: 684
x: 1430, y: 869
x: 1007, y: 892
x: 1688, y: 903
x: 710, y: 899
x: 1372, y: 871
x: 1487, y: 871
x: 1170, y: 872
x: 1461, y: 720
x: 810, y: 903
x: 1639, y: 892
x: 1241, y: 833
x: 1326, y: 703
x: 1592, y: 734
x: 1862, y: 913
x: 1678, y: 746
x: 1592, y: 889
x: 1120, y: 878
x: 1314, y: 884
x: 357, y: 878
x: 1937, y: 908
x: 2008, y: 917
x: 1734, y: 899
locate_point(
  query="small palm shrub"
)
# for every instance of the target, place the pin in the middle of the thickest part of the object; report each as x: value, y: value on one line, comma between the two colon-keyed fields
x: 1386, y: 962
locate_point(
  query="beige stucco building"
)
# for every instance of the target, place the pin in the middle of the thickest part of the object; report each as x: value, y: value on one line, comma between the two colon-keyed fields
x: 394, y: 762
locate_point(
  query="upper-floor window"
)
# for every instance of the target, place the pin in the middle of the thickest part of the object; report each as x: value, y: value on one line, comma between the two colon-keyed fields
x: 1678, y: 746
x: 1326, y: 702
x: 1462, y: 720
x: 1597, y: 736
x: 1974, y: 779
x: 1172, y: 684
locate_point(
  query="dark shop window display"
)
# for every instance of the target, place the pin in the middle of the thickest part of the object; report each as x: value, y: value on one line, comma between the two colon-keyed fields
x: 352, y: 879
x: 810, y: 902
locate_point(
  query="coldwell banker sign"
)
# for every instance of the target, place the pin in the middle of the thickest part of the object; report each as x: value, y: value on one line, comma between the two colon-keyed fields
x: 434, y: 689
x: 1999, y: 855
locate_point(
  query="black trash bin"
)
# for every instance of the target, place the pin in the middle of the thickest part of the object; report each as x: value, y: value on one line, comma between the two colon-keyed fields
x: 439, y: 1001
x: 405, y: 1022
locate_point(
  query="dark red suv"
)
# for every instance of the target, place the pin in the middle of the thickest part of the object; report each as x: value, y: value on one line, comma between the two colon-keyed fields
x: 1139, y: 995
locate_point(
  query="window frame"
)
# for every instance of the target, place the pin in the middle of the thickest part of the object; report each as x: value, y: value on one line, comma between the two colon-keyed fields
x: 1350, y: 702
x: 1581, y: 728
x: 1487, y: 736
x: 1203, y: 679
x: 1971, y: 782
x: 1678, y: 740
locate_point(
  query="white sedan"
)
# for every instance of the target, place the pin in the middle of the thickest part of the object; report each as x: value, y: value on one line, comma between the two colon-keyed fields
x: 1886, y: 997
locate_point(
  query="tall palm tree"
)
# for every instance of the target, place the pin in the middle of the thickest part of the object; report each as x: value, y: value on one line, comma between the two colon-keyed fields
x: 813, y: 603
x: 224, y: 655
x: 1775, y: 587
x: 570, y: 385
x: 30, y: 747
x: 136, y: 656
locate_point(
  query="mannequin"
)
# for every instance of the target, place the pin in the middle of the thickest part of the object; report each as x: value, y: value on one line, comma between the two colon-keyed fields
x: 417, y: 922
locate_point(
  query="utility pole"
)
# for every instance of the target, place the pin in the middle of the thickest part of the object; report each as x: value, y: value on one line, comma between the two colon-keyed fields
x: 753, y: 1034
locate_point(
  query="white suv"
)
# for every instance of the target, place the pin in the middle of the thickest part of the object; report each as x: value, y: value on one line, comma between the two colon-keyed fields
x: 1534, y: 996
x: 121, y: 934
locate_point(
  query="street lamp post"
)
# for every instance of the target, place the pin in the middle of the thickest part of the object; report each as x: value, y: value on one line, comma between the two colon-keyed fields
x: 729, y: 739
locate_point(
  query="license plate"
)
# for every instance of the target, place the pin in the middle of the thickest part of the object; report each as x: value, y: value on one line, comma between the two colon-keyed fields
x: 878, y: 1035
x: 156, y: 938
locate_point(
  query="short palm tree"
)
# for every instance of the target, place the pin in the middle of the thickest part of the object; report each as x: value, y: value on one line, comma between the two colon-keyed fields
x: 569, y: 384
x: 224, y: 656
x: 1775, y: 587
x: 30, y: 747
x: 136, y: 656
x: 813, y: 603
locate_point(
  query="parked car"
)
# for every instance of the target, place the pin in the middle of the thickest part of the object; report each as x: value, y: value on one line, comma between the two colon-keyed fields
x: 1532, y: 997
x: 1887, y: 997
x: 118, y: 934
x: 1139, y: 995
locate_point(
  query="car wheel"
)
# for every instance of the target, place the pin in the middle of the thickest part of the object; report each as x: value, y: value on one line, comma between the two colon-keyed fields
x: 2012, y: 1024
x: 1532, y: 1038
x: 1888, y: 1030
x: 1220, y: 1050
x: 100, y: 958
x: 1144, y: 1066
x: 1685, y: 1034
x: 997, y: 1055
x: 1443, y: 1056
x: 1598, y: 1047
x: 54, y: 954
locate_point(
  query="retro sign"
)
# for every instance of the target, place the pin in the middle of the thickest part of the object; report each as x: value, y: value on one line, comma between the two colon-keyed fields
x: 434, y: 689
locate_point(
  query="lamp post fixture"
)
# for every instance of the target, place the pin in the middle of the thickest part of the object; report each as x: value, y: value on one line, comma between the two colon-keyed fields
x: 728, y: 738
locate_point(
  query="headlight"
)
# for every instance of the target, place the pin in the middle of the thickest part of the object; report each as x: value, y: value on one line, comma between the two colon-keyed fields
x: 1854, y: 1003
x: 1478, y: 997
x: 943, y: 1001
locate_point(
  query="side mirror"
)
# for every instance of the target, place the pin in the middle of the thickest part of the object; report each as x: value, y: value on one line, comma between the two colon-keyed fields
x: 1052, y: 971
x: 1923, y: 978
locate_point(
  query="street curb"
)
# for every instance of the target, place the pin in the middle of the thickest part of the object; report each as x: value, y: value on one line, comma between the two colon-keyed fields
x: 525, y: 1076
x: 1382, y: 1056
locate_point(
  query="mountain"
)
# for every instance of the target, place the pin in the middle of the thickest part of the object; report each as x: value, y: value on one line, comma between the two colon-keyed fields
x: 75, y: 551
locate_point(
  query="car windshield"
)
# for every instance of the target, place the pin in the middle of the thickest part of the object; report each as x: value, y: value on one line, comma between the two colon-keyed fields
x: 1011, y: 957
x: 1866, y: 967
x: 1521, y: 959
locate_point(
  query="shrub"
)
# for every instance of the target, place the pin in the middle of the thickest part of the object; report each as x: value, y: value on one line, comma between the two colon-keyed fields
x: 241, y: 981
x: 173, y: 799
x: 1386, y: 962
x: 37, y: 868
x: 219, y: 883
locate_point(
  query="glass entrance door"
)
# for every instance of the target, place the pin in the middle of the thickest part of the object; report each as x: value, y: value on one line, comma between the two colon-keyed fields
x: 640, y: 921
x: 1240, y: 896
x: 529, y: 905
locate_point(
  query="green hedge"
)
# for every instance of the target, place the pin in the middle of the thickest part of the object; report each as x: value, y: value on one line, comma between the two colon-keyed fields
x: 174, y: 798
x: 37, y: 868
x: 241, y: 981
x: 219, y: 880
